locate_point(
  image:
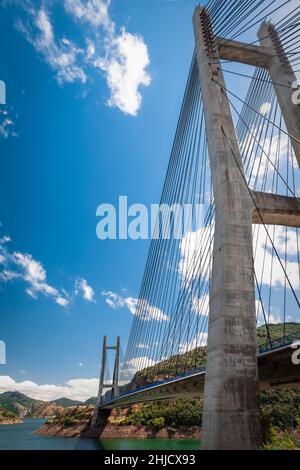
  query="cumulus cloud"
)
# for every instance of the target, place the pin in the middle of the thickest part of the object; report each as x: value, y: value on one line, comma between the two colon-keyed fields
x: 125, y: 65
x: 131, y: 366
x: 265, y: 261
x: 199, y: 340
x: 147, y: 312
x: 118, y: 54
x: 116, y: 301
x: 62, y: 56
x: 94, y: 12
x: 23, y: 266
x: 200, y: 305
x: 191, y: 256
x: 193, y: 265
x: 15, y: 265
x: 82, y: 287
x: 274, y: 148
x: 75, y: 389
x: 141, y: 308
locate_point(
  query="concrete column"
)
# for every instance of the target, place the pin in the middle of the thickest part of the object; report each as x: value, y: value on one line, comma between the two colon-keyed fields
x: 116, y: 369
x: 101, y: 383
x: 281, y: 73
x: 231, y: 414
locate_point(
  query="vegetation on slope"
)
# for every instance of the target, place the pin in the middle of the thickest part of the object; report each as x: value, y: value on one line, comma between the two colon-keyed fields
x: 197, y: 357
x: 66, y: 402
x: 26, y: 407
x: 8, y: 417
x: 71, y: 416
x: 276, y: 331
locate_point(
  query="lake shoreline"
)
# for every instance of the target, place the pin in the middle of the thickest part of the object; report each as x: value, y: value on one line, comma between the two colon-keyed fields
x: 24, y: 437
x: 119, y: 431
x: 7, y: 422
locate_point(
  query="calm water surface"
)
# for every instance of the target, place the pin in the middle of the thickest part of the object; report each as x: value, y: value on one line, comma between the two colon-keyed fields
x: 20, y: 437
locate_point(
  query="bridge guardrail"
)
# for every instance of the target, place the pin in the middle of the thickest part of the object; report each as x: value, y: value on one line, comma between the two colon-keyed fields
x: 278, y: 343
x: 160, y: 382
x: 275, y: 344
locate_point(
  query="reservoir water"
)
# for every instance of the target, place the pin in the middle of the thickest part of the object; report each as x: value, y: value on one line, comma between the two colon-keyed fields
x: 20, y: 437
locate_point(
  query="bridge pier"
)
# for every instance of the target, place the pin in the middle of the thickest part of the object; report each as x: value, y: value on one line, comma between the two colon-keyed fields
x: 231, y: 413
x: 98, y: 413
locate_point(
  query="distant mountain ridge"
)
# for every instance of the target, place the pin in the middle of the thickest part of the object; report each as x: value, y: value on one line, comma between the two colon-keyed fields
x: 66, y: 402
x: 22, y: 406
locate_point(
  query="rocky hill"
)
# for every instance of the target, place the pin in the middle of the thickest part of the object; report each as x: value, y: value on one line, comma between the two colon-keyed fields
x: 16, y: 406
x: 66, y: 402
x: 20, y: 406
x: 8, y: 417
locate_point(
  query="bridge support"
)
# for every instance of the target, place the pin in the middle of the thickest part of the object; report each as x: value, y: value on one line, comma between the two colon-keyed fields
x: 231, y: 414
x: 283, y: 77
x: 102, y: 385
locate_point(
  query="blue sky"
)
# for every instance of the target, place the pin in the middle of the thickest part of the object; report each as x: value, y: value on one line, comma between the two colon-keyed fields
x: 75, y: 134
x: 66, y: 152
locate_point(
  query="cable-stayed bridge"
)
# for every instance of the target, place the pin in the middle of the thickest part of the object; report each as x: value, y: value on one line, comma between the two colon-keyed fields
x: 236, y: 152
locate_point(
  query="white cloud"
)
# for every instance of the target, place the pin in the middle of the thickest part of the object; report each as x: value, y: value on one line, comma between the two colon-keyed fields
x: 5, y: 239
x: 199, y: 340
x: 94, y: 12
x: 90, y: 49
x: 32, y: 272
x: 142, y: 346
x: 62, y: 301
x: 81, y: 286
x: 192, y: 266
x: 116, y: 301
x: 7, y: 124
x: 142, y: 308
x: 200, y: 305
x: 122, y: 56
x: 22, y: 266
x: 137, y: 363
x: 126, y: 65
x: 191, y: 255
x: 265, y: 108
x: 147, y: 312
x: 75, y: 389
x: 266, y: 262
x: 62, y: 56
x: 7, y: 275
x: 273, y: 148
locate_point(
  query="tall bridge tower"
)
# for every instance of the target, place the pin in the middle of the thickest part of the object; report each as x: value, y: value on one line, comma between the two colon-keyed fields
x: 231, y: 412
x: 114, y: 386
x: 205, y: 293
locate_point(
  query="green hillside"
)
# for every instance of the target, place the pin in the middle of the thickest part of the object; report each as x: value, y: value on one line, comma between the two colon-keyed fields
x: 276, y: 331
x: 13, y: 401
x: 90, y: 401
x: 197, y: 357
x: 66, y: 402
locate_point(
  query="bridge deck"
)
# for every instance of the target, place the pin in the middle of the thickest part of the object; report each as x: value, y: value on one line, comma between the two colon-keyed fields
x: 275, y: 366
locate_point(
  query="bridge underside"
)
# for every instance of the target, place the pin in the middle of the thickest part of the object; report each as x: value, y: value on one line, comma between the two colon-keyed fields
x: 276, y: 371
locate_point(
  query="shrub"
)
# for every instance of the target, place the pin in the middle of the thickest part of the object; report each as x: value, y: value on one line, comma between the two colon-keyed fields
x: 157, y: 423
x: 69, y: 420
x: 278, y: 441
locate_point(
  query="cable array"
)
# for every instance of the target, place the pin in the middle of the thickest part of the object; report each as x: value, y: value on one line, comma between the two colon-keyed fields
x: 169, y: 331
